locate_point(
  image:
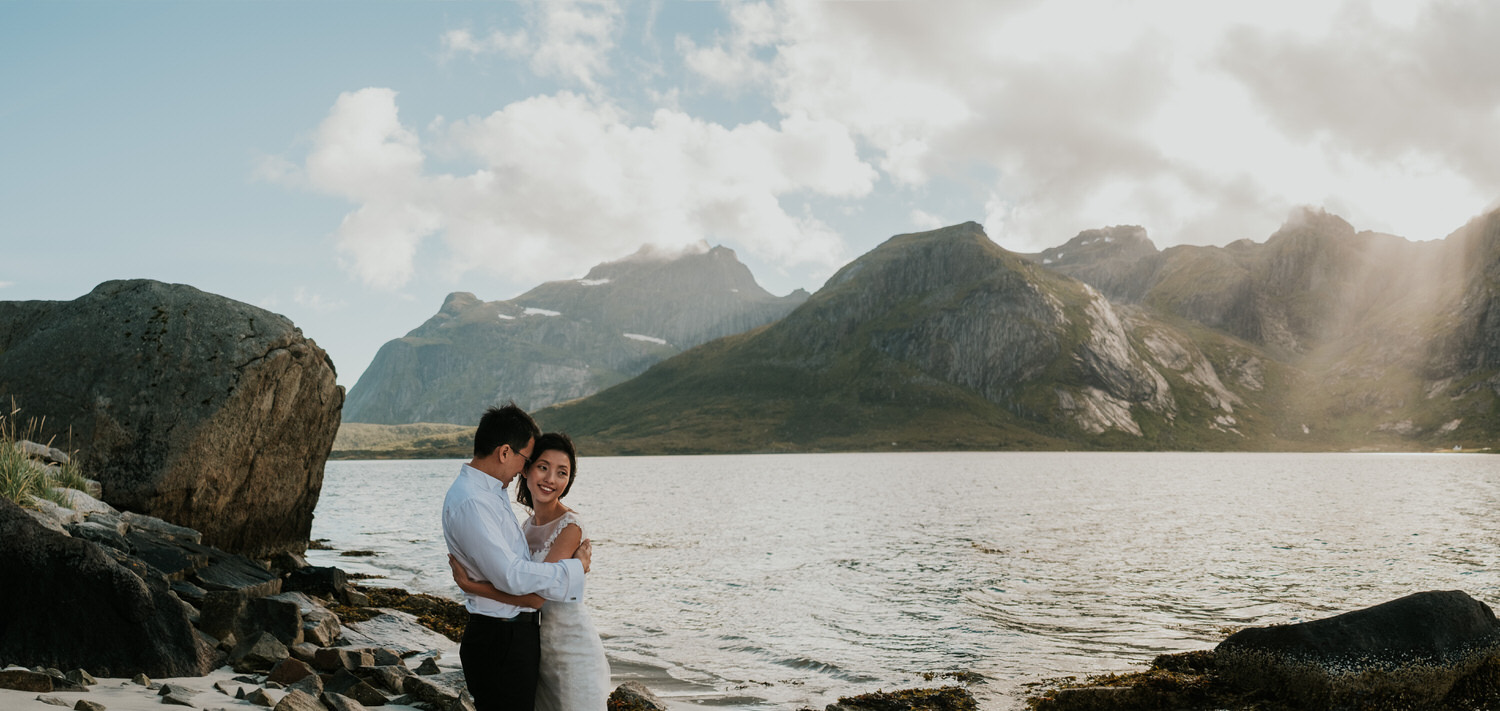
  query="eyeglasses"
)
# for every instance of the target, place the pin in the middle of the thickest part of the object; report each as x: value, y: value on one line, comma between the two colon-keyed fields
x: 527, y: 459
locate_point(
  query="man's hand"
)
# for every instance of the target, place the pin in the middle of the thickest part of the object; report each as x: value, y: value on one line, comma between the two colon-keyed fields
x: 585, y: 553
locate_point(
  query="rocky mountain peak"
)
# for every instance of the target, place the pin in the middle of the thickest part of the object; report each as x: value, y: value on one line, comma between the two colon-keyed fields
x: 914, y: 262
x: 1307, y: 223
x: 1120, y: 242
x: 563, y: 339
x: 458, y: 302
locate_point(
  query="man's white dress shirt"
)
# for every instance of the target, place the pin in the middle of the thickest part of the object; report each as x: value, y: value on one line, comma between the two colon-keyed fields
x: 482, y: 532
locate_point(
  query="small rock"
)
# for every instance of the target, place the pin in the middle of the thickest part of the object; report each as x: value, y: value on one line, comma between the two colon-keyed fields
x: 79, y: 676
x: 386, y: 657
x: 177, y: 699
x: 634, y: 696
x: 178, y: 689
x: 60, y: 683
x: 275, y: 685
x: 264, y: 697
x: 259, y: 654
x: 392, y: 677
x: 366, y: 694
x: 51, y: 700
x: 305, y: 651
x: 141, y: 679
x: 86, y: 705
x: 439, y: 689
x: 948, y: 698
x: 339, y: 702
x: 26, y: 680
x: 247, y: 679
x: 428, y: 667
x: 99, y: 533
x: 332, y: 659
x: 326, y: 581
x: 189, y: 592
x: 280, y: 617
x: 299, y: 701
x: 311, y: 684
x: 287, y: 671
x: 223, y: 688
x: 286, y: 562
x: 155, y: 525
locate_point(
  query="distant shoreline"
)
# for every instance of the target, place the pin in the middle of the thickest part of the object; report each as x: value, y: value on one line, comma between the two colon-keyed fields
x: 425, y: 454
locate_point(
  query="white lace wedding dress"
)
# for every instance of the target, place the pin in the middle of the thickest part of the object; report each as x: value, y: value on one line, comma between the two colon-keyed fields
x: 574, y: 673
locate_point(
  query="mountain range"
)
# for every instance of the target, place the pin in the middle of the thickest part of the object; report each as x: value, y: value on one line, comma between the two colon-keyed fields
x: 1320, y: 337
x: 563, y: 339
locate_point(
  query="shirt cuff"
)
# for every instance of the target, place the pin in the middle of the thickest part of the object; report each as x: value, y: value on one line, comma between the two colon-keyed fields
x: 575, y: 579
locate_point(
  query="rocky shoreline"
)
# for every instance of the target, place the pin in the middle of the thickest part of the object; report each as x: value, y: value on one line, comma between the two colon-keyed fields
x: 225, y: 630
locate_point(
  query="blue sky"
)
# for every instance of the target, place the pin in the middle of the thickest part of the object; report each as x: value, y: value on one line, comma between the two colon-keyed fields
x: 348, y: 164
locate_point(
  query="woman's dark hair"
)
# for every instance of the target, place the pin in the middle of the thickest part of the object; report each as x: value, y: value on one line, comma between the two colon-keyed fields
x: 551, y: 441
x: 504, y: 425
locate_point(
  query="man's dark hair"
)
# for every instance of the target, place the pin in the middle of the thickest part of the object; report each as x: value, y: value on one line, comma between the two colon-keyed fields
x: 504, y: 425
x: 551, y: 441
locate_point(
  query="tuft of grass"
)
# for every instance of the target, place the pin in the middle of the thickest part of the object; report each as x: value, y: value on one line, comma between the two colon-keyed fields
x: 23, y: 480
x: 20, y: 478
x: 70, y: 476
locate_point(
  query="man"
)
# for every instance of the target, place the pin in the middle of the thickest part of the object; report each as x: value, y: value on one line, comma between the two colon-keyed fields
x: 501, y: 648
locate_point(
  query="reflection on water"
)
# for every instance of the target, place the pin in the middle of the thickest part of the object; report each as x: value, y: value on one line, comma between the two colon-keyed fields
x: 795, y: 578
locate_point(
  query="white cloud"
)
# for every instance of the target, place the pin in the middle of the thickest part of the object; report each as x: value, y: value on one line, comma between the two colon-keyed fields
x: 6, y: 284
x: 364, y: 154
x: 565, y: 178
x: 571, y: 40
x: 732, y: 63
x: 516, y: 43
x: 1202, y: 122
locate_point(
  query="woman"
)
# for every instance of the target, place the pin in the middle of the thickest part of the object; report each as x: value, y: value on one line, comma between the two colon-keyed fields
x: 574, y: 674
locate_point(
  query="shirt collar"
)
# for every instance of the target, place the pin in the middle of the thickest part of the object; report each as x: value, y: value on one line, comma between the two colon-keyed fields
x: 488, y: 482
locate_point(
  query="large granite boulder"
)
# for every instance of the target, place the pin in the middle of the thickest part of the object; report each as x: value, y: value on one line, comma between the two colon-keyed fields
x: 188, y: 406
x: 1408, y: 653
x: 68, y: 604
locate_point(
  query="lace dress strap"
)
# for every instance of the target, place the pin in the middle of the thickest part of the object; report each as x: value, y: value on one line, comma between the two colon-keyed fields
x: 559, y: 525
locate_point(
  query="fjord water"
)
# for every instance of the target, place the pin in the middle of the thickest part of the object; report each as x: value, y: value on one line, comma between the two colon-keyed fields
x: 777, y: 581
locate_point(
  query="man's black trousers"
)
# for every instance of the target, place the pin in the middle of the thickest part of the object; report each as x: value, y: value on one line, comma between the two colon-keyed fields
x: 500, y: 659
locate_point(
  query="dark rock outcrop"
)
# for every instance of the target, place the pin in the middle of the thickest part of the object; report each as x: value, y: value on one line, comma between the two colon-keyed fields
x: 1420, y: 651
x: 563, y: 339
x: 1433, y: 626
x: 948, y: 698
x: 1430, y: 650
x: 80, y: 608
x: 187, y: 406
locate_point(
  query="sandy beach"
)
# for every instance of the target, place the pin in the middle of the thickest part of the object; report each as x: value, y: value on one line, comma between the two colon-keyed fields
x: 126, y: 695
x: 117, y: 694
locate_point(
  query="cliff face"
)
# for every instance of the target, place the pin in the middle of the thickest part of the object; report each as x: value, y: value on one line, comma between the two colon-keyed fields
x: 1473, y: 343
x: 942, y: 330
x: 1389, y: 337
x: 955, y: 307
x: 561, y: 340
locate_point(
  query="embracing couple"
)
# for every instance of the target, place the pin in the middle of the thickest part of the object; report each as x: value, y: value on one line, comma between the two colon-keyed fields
x: 517, y: 653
